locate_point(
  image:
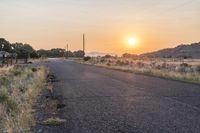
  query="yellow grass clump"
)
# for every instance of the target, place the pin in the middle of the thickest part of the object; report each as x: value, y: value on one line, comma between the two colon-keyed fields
x: 18, y: 92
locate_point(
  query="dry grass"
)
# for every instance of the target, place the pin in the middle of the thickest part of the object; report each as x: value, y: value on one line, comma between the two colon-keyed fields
x: 4, y: 70
x: 39, y: 60
x: 54, y: 121
x: 18, y: 92
x: 178, y: 69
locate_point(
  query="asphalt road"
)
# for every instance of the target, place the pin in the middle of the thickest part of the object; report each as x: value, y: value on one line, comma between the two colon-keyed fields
x: 100, y: 100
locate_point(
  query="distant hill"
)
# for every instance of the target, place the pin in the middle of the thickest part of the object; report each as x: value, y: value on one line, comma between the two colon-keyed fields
x: 95, y: 54
x: 184, y: 51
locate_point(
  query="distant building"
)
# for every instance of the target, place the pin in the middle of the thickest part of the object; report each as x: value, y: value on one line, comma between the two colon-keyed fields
x: 4, y: 54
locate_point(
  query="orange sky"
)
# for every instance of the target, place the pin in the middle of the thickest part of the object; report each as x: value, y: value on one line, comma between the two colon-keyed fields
x: 107, y: 24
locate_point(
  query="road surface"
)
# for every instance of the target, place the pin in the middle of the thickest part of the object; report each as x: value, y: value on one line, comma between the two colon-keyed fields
x: 100, y: 100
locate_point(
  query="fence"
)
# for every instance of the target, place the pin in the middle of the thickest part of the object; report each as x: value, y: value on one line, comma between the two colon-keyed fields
x: 7, y: 59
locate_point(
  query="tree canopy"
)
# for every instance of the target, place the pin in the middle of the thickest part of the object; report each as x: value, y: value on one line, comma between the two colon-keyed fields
x: 27, y: 51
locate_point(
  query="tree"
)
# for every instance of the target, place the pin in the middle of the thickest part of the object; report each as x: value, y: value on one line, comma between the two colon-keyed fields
x: 79, y: 53
x: 58, y: 52
x: 107, y: 56
x: 127, y: 55
x: 34, y: 54
x: 42, y: 53
x: 69, y: 54
x: 5, y: 45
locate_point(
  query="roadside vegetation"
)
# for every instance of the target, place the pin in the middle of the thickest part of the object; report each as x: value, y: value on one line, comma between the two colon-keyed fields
x: 172, y: 68
x: 54, y: 121
x: 19, y: 89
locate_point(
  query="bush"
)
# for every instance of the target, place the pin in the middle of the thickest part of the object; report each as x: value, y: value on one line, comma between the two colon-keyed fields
x: 118, y: 62
x: 198, y: 68
x: 140, y: 64
x: 34, y: 69
x: 3, y: 95
x: 122, y: 63
x: 22, y: 89
x: 107, y: 56
x: 12, y: 105
x: 17, y: 72
x: 184, y: 65
x: 164, y: 65
x: 87, y: 58
x: 102, y: 60
x: 108, y: 64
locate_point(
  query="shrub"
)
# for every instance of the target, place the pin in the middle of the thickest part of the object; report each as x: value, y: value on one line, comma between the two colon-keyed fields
x: 17, y: 72
x: 3, y: 95
x: 198, y: 68
x: 184, y: 65
x: 34, y: 69
x: 181, y: 69
x: 126, y: 63
x: 158, y: 67
x: 122, y: 63
x: 102, y: 60
x: 108, y: 64
x: 12, y: 105
x: 140, y: 64
x: 118, y: 62
x: 164, y: 65
x: 87, y: 58
x: 107, y: 56
x: 22, y: 89
x: 4, y: 81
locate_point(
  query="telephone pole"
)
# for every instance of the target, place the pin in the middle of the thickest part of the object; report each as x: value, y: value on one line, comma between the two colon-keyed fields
x: 67, y: 50
x: 83, y: 45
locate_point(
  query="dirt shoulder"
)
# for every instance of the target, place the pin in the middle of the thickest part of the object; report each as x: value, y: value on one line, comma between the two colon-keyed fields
x: 48, y: 109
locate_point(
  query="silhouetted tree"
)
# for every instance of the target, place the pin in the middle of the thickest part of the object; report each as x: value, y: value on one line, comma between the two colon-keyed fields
x: 107, y: 56
x: 5, y: 45
x: 42, y: 53
x: 79, y: 53
x: 127, y: 55
x: 69, y: 54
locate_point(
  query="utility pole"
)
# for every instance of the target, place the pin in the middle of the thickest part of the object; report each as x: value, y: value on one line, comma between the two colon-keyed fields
x: 67, y: 50
x: 83, y: 45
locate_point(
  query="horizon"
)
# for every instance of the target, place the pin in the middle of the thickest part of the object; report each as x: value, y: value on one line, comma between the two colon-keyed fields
x: 53, y: 24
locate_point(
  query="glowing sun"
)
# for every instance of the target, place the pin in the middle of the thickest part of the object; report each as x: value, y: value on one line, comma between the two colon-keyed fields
x: 132, y: 41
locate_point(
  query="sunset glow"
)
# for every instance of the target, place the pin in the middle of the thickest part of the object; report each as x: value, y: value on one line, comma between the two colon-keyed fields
x: 53, y: 23
x: 132, y: 41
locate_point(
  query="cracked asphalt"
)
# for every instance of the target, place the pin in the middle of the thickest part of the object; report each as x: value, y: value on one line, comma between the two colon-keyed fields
x: 100, y: 100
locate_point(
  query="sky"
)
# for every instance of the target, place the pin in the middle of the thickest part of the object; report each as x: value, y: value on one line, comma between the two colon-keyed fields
x: 107, y: 24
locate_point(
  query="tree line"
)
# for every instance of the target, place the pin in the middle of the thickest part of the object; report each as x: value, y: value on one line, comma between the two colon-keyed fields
x: 24, y: 50
x: 58, y: 52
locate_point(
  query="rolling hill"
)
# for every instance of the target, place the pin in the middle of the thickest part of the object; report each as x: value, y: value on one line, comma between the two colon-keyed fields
x: 184, y: 51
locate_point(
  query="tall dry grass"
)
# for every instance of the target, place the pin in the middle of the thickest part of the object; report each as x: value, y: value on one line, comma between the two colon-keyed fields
x: 18, y: 92
x: 177, y: 69
x: 4, y: 70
